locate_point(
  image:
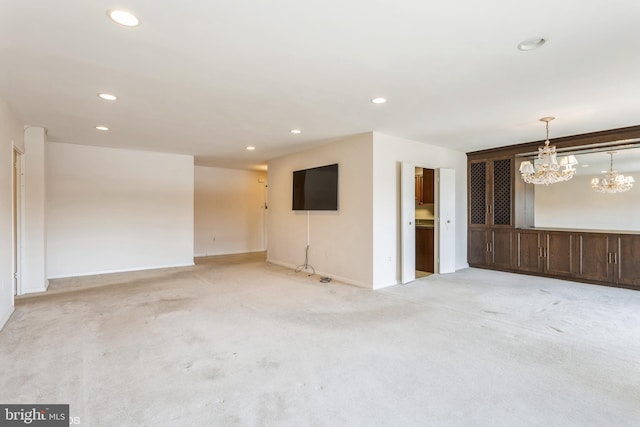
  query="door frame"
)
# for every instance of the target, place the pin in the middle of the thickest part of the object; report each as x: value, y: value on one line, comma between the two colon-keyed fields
x: 17, y: 214
x: 407, y: 223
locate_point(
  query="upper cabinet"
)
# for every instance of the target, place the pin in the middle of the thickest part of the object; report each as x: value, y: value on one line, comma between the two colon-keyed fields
x: 424, y: 187
x: 490, y: 192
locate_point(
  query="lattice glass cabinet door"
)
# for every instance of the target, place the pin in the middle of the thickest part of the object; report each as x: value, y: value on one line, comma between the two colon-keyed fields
x: 502, y: 192
x: 478, y: 193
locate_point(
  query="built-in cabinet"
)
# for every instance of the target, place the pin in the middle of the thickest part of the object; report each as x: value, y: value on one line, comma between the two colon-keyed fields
x: 424, y: 187
x: 490, y: 198
x: 501, y: 237
x: 424, y: 249
x: 598, y: 257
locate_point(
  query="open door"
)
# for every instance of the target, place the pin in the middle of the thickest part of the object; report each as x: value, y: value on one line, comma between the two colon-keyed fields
x: 407, y: 223
x: 445, y: 224
x: 16, y: 215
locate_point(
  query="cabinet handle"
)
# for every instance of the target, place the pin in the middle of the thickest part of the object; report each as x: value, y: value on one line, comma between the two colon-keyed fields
x: 615, y: 257
x: 609, y: 260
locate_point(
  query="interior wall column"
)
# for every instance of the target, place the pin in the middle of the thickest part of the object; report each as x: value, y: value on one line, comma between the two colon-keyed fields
x: 34, y: 275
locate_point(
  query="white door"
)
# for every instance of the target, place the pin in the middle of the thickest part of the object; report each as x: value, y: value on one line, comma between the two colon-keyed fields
x: 16, y: 214
x: 407, y: 222
x: 445, y: 227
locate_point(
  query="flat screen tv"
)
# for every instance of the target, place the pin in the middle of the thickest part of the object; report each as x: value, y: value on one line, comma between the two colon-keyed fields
x: 316, y: 189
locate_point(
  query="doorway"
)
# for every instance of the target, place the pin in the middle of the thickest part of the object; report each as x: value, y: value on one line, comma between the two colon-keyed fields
x: 425, y: 217
x: 443, y: 217
x: 16, y: 213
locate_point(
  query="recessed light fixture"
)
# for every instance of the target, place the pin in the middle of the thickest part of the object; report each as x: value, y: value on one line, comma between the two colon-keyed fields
x: 531, y: 44
x: 251, y: 148
x: 107, y: 96
x: 585, y: 166
x: 379, y: 100
x: 296, y: 131
x: 102, y: 128
x: 123, y: 18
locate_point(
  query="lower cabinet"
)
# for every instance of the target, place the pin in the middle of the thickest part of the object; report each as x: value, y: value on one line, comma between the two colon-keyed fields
x: 491, y: 247
x: 603, y: 258
x: 626, y: 260
x: 593, y: 251
x: 424, y: 249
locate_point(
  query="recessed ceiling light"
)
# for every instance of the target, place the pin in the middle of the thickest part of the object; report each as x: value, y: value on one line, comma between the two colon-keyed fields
x: 379, y: 100
x: 123, y: 18
x: 102, y: 128
x: 296, y: 131
x: 532, y: 43
x: 585, y: 166
x: 107, y: 96
x: 251, y: 148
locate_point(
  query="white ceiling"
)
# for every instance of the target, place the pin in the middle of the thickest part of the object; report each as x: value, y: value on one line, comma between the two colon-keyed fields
x: 210, y: 77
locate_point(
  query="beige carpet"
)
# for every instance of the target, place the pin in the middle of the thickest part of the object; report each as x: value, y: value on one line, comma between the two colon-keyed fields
x: 234, y: 341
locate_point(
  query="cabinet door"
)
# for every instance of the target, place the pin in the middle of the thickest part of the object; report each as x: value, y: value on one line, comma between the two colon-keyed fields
x: 427, y: 186
x: 418, y: 189
x: 477, y: 247
x: 501, y: 248
x: 429, y: 249
x: 558, y: 253
x: 528, y: 251
x: 420, y: 249
x: 501, y: 200
x: 594, y: 255
x: 626, y: 260
x: 478, y: 193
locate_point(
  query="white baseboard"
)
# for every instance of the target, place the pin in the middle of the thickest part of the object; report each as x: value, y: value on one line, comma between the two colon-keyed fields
x: 322, y: 273
x: 201, y: 255
x: 125, y: 270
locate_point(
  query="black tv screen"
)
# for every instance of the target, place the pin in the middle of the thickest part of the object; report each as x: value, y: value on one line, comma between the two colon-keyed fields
x: 316, y: 189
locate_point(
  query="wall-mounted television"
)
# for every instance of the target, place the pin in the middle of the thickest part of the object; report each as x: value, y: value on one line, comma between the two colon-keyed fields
x: 316, y: 189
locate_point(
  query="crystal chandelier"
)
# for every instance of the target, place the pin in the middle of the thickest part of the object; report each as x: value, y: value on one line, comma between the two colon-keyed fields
x: 547, y: 168
x: 613, y: 182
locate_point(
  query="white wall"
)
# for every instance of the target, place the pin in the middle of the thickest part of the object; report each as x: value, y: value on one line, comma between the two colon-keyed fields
x: 388, y: 153
x: 574, y: 204
x: 11, y: 133
x: 34, y: 275
x: 116, y: 210
x: 229, y: 213
x: 341, y: 242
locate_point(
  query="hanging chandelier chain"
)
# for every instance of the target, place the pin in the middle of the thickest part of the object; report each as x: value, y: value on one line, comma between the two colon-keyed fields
x: 611, y: 164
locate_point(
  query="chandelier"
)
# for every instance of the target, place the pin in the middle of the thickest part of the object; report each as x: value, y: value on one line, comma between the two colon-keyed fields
x: 613, y: 182
x: 548, y: 168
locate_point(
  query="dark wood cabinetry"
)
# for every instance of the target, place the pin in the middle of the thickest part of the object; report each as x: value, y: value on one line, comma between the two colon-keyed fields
x: 592, y: 257
x: 424, y: 249
x: 424, y: 187
x: 490, y: 242
x: 501, y: 233
x: 548, y: 252
x: 626, y: 261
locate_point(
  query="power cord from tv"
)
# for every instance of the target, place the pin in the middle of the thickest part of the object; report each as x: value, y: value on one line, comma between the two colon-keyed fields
x: 306, y: 265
